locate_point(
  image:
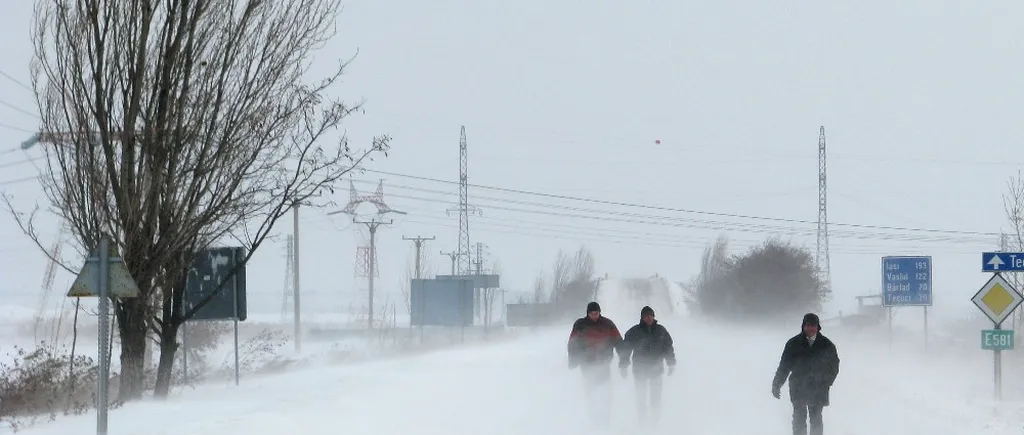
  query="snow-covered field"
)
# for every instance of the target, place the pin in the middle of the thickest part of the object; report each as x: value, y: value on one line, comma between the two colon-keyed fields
x: 722, y: 386
x: 520, y: 385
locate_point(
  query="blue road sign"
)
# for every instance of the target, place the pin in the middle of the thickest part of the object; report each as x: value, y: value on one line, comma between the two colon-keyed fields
x: 907, y: 281
x: 210, y: 278
x: 441, y: 302
x: 1002, y: 261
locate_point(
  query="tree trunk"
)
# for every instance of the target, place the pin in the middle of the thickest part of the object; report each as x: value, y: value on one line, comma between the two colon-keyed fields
x: 168, y: 348
x: 132, y: 327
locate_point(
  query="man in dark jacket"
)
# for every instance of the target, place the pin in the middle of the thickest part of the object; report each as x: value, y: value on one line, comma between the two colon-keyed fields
x: 592, y: 344
x: 811, y: 363
x: 650, y: 346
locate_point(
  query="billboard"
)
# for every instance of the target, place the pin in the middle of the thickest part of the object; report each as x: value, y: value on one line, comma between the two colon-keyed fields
x: 528, y: 314
x: 210, y: 268
x: 482, y: 280
x: 441, y: 302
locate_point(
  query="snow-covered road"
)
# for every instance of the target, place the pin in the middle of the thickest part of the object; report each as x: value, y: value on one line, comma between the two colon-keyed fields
x: 722, y: 386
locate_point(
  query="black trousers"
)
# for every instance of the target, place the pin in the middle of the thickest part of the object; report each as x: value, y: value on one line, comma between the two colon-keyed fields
x: 802, y: 412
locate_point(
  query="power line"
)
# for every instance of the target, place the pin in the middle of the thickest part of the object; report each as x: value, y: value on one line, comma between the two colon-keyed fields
x: 19, y: 180
x: 18, y: 109
x: 593, y: 214
x: 576, y: 233
x: 15, y: 81
x: 682, y: 210
x: 20, y: 162
x: 615, y: 237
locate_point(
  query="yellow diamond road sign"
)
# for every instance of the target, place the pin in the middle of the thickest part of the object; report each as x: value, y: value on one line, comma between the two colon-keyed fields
x: 997, y: 299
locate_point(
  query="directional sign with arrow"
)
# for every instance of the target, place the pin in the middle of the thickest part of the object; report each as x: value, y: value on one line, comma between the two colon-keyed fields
x: 1002, y: 261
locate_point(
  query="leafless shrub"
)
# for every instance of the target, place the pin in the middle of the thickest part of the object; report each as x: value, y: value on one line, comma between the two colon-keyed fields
x: 41, y: 384
x: 258, y: 354
x: 775, y: 280
x: 204, y: 337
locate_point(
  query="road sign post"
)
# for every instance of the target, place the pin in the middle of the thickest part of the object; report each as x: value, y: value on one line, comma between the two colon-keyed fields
x: 907, y: 282
x: 997, y: 299
x: 104, y: 276
x: 217, y: 281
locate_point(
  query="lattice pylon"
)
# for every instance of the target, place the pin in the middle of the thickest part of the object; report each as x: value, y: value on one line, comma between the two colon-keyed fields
x: 376, y: 198
x: 821, y: 258
x: 363, y: 258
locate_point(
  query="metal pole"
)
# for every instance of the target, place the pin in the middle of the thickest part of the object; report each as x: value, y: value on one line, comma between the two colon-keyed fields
x: 926, y: 328
x: 234, y: 289
x: 373, y: 256
x: 890, y: 328
x: 236, y: 352
x: 295, y: 277
x: 184, y: 347
x: 998, y: 371
x: 104, y: 360
x: 419, y: 244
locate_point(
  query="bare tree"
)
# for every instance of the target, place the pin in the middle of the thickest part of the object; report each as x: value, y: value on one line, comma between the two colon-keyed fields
x: 539, y: 294
x: 561, y: 274
x: 1013, y: 238
x: 490, y: 295
x: 573, y: 280
x: 713, y: 263
x: 177, y: 125
x: 583, y: 267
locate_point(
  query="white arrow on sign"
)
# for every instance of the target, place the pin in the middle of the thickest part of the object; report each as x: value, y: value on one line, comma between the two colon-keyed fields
x: 995, y: 262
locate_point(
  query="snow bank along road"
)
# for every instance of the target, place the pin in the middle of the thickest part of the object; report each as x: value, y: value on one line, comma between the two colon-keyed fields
x: 722, y: 386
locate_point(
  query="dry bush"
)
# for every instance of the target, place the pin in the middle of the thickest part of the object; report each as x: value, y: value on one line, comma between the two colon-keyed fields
x: 770, y: 282
x: 44, y: 383
x: 260, y: 354
x: 202, y: 338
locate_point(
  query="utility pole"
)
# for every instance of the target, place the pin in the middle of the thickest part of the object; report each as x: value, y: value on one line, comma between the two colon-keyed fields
x: 480, y: 299
x: 289, y: 273
x: 419, y: 245
x: 372, y: 225
x: 295, y: 277
x: 454, y: 257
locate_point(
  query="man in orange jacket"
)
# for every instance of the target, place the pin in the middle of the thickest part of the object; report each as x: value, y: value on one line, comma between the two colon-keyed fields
x: 592, y: 344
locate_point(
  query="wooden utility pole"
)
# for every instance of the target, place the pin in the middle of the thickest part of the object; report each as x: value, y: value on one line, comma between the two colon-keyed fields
x: 418, y: 241
x: 454, y: 257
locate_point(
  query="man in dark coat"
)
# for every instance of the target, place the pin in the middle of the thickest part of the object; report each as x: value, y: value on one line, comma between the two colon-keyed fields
x: 811, y: 363
x: 650, y: 346
x: 592, y: 344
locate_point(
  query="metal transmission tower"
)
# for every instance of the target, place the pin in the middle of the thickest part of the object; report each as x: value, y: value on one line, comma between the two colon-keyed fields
x: 822, y: 257
x: 464, y: 209
x: 366, y: 255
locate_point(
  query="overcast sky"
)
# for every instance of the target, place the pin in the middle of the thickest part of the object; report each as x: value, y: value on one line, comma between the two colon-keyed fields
x: 920, y: 101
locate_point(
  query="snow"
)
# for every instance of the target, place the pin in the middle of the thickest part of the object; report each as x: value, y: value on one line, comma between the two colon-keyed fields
x: 721, y: 386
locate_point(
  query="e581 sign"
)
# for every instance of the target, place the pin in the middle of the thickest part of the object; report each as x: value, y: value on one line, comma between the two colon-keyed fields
x: 997, y: 339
